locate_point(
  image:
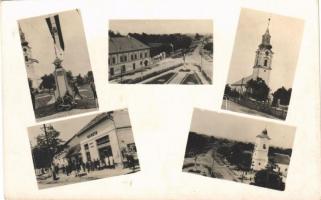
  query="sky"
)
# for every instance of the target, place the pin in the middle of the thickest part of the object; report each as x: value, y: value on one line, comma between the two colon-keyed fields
x: 67, y: 128
x: 240, y: 128
x: 76, y: 56
x: 286, y: 34
x: 161, y: 26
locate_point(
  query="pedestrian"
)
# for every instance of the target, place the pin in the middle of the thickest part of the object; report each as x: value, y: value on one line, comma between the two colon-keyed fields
x: 88, y: 166
x: 76, y: 91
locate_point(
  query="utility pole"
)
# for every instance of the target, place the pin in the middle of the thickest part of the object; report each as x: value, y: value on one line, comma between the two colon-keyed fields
x: 50, y: 152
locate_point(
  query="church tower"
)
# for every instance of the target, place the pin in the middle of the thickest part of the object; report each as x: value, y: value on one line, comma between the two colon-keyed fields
x: 29, y: 61
x: 260, y: 154
x: 263, y: 58
x: 26, y: 49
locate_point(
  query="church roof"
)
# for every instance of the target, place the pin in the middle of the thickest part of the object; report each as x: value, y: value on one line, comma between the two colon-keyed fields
x: 125, y: 44
x: 264, y: 134
x: 242, y: 81
x: 281, y: 158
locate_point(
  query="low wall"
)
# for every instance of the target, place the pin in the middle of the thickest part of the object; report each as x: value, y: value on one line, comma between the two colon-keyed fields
x: 262, y: 107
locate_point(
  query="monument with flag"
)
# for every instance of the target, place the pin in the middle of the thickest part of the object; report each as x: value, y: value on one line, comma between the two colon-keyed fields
x: 63, y: 90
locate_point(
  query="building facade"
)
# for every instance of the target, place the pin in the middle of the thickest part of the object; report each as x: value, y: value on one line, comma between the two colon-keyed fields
x: 107, y: 137
x: 260, y: 155
x: 127, y: 55
x: 262, y: 64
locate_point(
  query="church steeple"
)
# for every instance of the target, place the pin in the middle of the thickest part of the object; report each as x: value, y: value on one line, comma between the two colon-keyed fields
x: 266, y: 38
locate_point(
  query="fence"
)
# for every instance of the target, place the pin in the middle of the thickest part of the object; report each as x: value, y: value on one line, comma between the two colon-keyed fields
x: 262, y: 107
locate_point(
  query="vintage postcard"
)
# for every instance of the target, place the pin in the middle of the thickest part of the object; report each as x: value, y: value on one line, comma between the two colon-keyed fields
x: 263, y: 64
x: 60, y: 78
x: 239, y: 149
x: 83, y: 149
x: 160, y: 51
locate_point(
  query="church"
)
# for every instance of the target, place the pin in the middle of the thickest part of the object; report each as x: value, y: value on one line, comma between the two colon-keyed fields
x: 262, y: 63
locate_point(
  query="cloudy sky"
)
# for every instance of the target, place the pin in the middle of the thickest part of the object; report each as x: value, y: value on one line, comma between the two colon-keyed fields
x: 76, y: 56
x: 240, y: 128
x: 67, y: 128
x: 286, y: 34
x: 161, y: 26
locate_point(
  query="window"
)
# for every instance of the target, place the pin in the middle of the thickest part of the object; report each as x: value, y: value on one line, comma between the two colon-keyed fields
x: 24, y: 49
x: 259, y: 163
x: 265, y: 63
x: 111, y: 72
x: 145, y: 54
x: 86, y: 146
x: 264, y: 147
x: 134, y: 67
x: 113, y: 60
x: 125, y: 58
x: 102, y: 140
x: 267, y: 53
x: 26, y: 58
x: 141, y: 55
x: 135, y: 56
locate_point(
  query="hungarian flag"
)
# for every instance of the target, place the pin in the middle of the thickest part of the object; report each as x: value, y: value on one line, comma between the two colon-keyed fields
x: 55, y: 30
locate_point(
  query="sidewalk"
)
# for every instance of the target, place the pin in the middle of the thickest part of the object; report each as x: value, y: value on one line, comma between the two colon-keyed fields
x: 93, y: 175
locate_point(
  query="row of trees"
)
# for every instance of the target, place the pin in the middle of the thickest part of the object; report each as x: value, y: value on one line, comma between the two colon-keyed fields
x: 259, y: 90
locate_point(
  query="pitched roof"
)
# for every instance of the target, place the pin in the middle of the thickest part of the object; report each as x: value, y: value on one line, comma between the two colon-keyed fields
x: 281, y: 158
x: 93, y: 122
x: 120, y: 118
x: 124, y: 44
x: 242, y: 81
x: 264, y: 135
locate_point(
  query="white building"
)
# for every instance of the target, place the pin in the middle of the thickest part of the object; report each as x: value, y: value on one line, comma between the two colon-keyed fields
x: 260, y: 155
x: 262, y: 64
x: 107, y: 137
x: 127, y: 55
x: 282, y: 162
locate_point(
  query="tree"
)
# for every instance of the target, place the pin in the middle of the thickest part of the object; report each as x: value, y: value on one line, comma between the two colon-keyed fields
x: 48, y: 144
x: 283, y: 95
x: 80, y: 79
x: 209, y: 47
x: 113, y: 34
x: 90, y: 76
x: 69, y: 76
x: 257, y: 89
x: 227, y: 90
x: 269, y: 179
x: 48, y: 81
x: 197, y: 36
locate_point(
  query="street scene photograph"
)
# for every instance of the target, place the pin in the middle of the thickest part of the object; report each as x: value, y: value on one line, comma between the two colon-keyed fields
x: 263, y: 64
x: 60, y: 78
x: 83, y: 149
x: 160, y: 52
x: 239, y: 149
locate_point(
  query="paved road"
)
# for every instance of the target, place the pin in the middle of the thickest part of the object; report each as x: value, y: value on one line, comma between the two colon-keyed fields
x: 230, y: 105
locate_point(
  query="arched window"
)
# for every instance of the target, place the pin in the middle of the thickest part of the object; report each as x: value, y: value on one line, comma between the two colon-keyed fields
x: 265, y: 62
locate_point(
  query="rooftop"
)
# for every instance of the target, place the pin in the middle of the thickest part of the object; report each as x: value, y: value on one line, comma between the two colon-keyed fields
x: 125, y: 44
